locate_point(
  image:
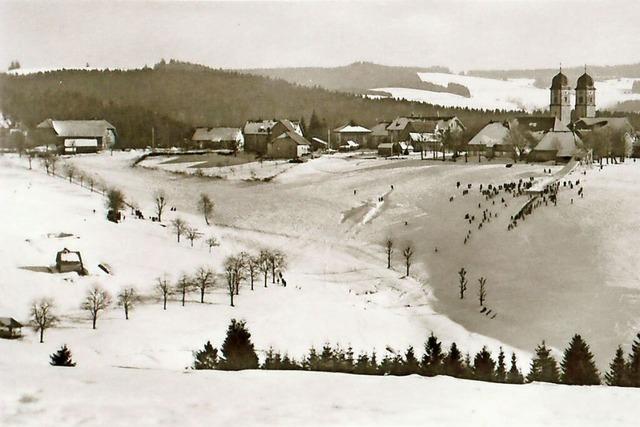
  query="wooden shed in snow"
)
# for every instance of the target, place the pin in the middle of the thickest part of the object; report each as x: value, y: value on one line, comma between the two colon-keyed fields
x: 67, y: 260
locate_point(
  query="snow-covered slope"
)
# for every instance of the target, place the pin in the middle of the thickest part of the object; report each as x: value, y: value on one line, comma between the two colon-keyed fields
x: 510, y: 94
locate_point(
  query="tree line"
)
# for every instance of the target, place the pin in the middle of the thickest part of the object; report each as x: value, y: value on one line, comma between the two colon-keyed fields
x: 576, y: 367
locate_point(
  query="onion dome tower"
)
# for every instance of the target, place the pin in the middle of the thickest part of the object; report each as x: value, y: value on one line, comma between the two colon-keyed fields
x: 585, y: 96
x: 560, y: 104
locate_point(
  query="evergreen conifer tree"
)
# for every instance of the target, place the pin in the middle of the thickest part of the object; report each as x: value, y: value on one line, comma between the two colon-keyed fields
x: 433, y: 356
x: 633, y: 367
x: 578, y: 367
x: 501, y: 368
x: 237, y: 350
x: 483, y: 365
x: 62, y: 357
x: 514, y: 376
x: 544, y: 367
x: 453, y: 364
x: 618, y: 374
x: 207, y: 358
x: 410, y: 363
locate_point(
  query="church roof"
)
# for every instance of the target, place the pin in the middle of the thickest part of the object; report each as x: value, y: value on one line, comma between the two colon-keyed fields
x: 585, y: 82
x: 565, y: 144
x: 559, y: 81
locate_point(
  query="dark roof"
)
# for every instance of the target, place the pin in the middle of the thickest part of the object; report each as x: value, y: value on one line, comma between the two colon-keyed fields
x: 290, y: 131
x: 585, y: 82
x: 10, y: 322
x: 538, y: 123
x: 424, y: 126
x: 380, y: 129
x: 617, y: 123
x: 559, y: 81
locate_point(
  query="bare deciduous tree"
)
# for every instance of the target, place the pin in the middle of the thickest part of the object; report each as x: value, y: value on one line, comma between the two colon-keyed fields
x: 179, y: 227
x: 482, y: 290
x: 97, y: 299
x: 184, y: 285
x: 90, y: 182
x: 43, y: 316
x: 230, y: 270
x: 407, y: 254
x: 164, y: 289
x: 203, y: 280
x: 462, y: 283
x: 69, y: 171
x: 264, y: 264
x: 211, y: 242
x: 205, y: 206
x: 160, y: 201
x: 252, y: 264
x: 389, y: 247
x: 278, y: 262
x: 127, y: 298
x: 192, y: 234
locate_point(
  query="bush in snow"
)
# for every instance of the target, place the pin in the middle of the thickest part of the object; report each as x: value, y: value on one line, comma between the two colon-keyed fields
x: 62, y: 357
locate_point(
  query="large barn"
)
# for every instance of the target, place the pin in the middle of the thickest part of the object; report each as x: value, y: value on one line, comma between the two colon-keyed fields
x: 218, y: 138
x: 80, y: 136
x: 287, y: 144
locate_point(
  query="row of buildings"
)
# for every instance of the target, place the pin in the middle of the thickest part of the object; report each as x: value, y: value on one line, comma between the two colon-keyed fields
x: 557, y: 136
x: 560, y: 135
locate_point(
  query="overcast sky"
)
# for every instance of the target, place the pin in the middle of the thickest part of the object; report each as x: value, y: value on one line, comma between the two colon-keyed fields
x: 460, y: 34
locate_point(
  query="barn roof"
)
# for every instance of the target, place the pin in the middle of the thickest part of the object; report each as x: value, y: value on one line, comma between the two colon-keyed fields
x: 10, y: 322
x: 66, y: 255
x: 78, y: 128
x: 386, y: 145
x: 258, y: 127
x: 541, y: 123
x: 492, y: 134
x: 85, y: 142
x: 319, y: 141
x: 216, y: 134
x: 352, y: 129
x: 291, y: 131
x: 566, y: 144
x: 400, y: 123
x: 380, y: 129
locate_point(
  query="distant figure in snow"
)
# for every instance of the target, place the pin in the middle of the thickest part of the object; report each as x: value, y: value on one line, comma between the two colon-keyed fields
x: 436, y: 249
x: 392, y: 186
x: 355, y: 192
x: 406, y: 223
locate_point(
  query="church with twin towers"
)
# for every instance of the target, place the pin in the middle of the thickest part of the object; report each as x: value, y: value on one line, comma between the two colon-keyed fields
x: 560, y: 104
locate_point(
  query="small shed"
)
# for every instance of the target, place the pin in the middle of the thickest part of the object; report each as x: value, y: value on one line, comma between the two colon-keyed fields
x: 10, y: 328
x: 67, y: 260
x: 388, y: 149
x: 318, y: 144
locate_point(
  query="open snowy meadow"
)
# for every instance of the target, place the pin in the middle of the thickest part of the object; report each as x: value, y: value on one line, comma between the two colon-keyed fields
x: 330, y: 216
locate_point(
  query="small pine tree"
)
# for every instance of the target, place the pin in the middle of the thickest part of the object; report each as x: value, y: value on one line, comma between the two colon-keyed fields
x: 452, y: 364
x: 312, y: 361
x: 618, y: 374
x: 433, y: 356
x: 633, y: 366
x: 501, y: 369
x: 237, y: 350
x: 410, y: 364
x: 62, y: 357
x: 483, y: 365
x: 514, y: 376
x: 578, y: 367
x: 544, y: 367
x: 206, y: 358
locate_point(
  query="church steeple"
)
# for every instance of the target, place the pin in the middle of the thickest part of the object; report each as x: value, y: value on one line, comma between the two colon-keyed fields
x: 585, y: 96
x: 560, y: 103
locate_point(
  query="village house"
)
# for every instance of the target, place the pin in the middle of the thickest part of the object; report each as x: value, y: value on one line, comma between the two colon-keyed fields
x: 258, y: 133
x: 352, y: 132
x: 400, y: 128
x: 490, y: 139
x: 218, y: 138
x: 80, y: 136
x: 379, y: 134
x: 318, y: 144
x: 288, y: 144
x: 67, y: 261
x: 10, y: 328
x: 560, y: 146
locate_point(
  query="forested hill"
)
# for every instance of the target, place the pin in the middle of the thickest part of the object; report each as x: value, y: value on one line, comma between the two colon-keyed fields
x: 360, y: 77
x: 543, y: 76
x: 174, y: 100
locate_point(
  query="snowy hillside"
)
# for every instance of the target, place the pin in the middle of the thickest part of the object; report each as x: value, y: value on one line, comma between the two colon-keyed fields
x: 511, y: 94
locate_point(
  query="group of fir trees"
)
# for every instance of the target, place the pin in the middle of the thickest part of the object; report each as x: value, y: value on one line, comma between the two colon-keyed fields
x: 625, y: 373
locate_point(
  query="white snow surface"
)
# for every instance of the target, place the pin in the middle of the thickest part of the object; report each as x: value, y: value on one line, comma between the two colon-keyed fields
x: 509, y: 94
x: 339, y: 291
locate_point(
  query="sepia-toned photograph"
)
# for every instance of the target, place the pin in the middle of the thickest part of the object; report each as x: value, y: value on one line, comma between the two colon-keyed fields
x: 319, y: 213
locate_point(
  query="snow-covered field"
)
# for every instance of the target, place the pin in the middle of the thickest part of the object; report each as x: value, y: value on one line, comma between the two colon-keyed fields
x: 565, y: 270
x: 510, y: 94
